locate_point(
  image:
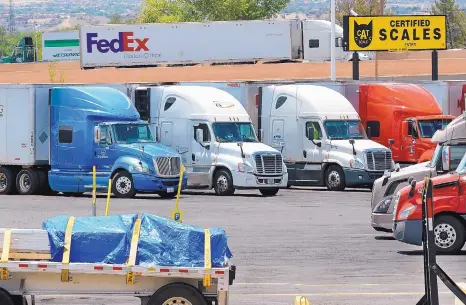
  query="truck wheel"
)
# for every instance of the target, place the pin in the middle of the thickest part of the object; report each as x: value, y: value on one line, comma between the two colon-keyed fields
x: 223, y: 183
x: 5, y: 298
x: 335, y: 178
x: 27, y: 182
x: 177, y: 293
x: 269, y: 191
x: 19, y: 300
x: 449, y: 234
x: 122, y: 185
x: 7, y: 181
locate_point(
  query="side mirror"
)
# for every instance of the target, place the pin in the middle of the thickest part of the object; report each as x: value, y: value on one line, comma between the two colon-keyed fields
x: 391, y: 142
x: 97, y: 135
x: 446, y: 162
x: 413, y: 186
x: 200, y: 136
x: 310, y: 133
x: 351, y: 141
x: 369, y: 132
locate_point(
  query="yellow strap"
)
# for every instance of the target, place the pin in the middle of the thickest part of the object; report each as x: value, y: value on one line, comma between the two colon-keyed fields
x: 207, y: 258
x: 134, y: 243
x: 67, y: 247
x: 6, y: 246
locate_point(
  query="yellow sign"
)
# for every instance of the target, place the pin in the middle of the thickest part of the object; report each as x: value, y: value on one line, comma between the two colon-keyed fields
x: 395, y: 33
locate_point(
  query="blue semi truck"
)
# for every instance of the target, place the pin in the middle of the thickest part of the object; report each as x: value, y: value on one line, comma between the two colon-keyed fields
x: 52, y: 137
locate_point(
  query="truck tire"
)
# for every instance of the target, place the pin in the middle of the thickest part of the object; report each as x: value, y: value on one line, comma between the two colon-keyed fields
x: 123, y: 186
x: 223, y: 183
x: 7, y: 181
x: 27, y: 182
x: 449, y: 234
x: 19, y: 300
x: 335, y: 178
x: 269, y: 191
x: 5, y: 298
x: 176, y: 294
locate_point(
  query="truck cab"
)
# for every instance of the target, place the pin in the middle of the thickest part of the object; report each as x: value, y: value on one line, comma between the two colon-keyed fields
x: 449, y: 199
x: 321, y: 137
x: 118, y: 144
x: 23, y: 52
x: 215, y: 136
x: 403, y: 116
x: 451, y: 146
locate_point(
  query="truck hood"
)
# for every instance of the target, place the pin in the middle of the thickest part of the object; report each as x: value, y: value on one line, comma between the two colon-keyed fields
x: 416, y: 171
x: 150, y: 149
x: 248, y: 148
x: 359, y: 145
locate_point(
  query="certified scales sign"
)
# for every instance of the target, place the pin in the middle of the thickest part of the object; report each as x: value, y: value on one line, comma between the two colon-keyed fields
x: 394, y: 33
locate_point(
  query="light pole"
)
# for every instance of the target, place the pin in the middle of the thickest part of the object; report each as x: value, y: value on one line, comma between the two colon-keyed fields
x: 332, y: 42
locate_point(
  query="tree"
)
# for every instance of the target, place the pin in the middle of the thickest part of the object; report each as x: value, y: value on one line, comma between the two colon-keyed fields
x: 456, y: 22
x: 116, y: 19
x: 209, y: 10
x: 361, y: 7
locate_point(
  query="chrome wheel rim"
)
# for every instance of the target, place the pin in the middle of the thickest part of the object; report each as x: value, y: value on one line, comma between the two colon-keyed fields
x: 177, y: 300
x: 222, y: 184
x: 25, y: 182
x: 334, y: 179
x: 3, y: 182
x: 123, y: 185
x: 445, y: 235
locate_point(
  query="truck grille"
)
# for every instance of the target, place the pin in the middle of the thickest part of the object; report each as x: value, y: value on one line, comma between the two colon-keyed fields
x: 269, y: 164
x: 379, y: 160
x: 168, y: 166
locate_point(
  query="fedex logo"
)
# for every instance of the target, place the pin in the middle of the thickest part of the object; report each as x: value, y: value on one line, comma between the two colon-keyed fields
x: 124, y: 43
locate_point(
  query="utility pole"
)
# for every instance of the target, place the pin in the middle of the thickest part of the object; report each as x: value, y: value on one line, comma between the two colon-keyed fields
x: 11, y: 18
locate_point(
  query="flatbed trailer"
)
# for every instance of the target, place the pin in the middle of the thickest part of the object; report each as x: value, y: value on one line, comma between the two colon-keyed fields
x: 26, y: 270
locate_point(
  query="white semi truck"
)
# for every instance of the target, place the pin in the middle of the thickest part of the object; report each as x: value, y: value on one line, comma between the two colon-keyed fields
x: 215, y: 136
x: 451, y: 147
x: 209, y: 42
x: 317, y: 130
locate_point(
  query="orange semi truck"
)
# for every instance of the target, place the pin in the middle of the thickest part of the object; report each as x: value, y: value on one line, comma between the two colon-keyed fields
x: 403, y: 116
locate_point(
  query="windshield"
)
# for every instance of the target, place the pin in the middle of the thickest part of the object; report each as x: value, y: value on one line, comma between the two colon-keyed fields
x: 461, y: 169
x: 429, y: 127
x: 341, y: 130
x: 132, y: 133
x: 234, y: 132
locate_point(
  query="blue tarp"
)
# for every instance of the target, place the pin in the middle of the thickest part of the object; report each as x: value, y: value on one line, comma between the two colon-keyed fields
x: 162, y: 242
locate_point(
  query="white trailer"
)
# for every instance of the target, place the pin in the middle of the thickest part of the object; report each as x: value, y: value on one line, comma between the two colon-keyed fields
x: 60, y: 46
x: 190, y: 42
x: 26, y: 271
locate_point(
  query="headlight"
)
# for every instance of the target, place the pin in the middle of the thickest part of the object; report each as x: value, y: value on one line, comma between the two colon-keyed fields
x: 406, y: 212
x: 138, y: 168
x: 356, y: 163
x: 245, y: 168
x: 382, y: 206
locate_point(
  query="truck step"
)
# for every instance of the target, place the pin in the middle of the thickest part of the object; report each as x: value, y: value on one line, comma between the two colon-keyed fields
x: 98, y: 187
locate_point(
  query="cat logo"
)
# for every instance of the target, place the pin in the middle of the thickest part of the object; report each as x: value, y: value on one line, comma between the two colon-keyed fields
x: 363, y: 34
x: 223, y: 104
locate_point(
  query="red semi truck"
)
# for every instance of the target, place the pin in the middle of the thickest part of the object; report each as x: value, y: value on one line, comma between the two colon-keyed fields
x: 405, y: 115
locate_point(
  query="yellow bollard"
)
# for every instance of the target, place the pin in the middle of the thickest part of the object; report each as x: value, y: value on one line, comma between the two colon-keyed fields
x: 108, y: 196
x: 94, y: 191
x: 301, y: 300
x: 177, y: 215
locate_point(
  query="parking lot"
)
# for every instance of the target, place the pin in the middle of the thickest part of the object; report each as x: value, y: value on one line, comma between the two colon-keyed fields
x: 308, y: 242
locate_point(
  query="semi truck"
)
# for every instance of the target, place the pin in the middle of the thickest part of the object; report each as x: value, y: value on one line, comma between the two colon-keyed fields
x: 215, y: 136
x: 451, y: 146
x: 25, y: 51
x: 51, y: 137
x: 208, y: 42
x: 317, y: 130
x: 449, y: 211
x: 402, y: 116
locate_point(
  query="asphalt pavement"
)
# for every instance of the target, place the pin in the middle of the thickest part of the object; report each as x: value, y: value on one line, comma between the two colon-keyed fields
x: 309, y: 242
